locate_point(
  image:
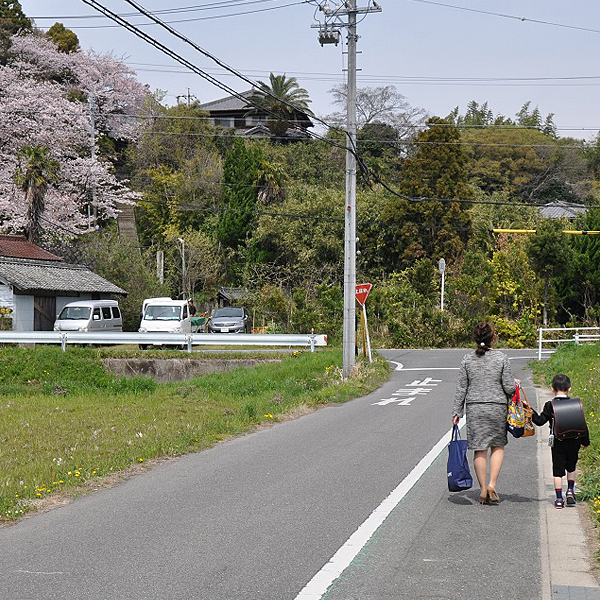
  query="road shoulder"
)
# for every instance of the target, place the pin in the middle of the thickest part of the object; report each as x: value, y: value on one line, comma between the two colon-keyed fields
x: 568, y: 567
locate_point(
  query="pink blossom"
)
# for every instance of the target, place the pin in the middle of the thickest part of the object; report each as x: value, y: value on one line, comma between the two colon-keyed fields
x: 46, y: 97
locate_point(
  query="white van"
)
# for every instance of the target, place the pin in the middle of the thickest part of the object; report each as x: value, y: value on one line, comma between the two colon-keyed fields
x: 148, y: 300
x: 165, y: 316
x: 90, y: 315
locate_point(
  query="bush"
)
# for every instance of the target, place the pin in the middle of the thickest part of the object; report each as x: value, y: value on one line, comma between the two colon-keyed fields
x: 516, y: 334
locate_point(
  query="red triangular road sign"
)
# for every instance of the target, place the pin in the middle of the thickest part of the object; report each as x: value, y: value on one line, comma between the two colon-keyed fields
x: 362, y: 291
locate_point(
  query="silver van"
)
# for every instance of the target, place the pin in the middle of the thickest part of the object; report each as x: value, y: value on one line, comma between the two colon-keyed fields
x: 90, y: 315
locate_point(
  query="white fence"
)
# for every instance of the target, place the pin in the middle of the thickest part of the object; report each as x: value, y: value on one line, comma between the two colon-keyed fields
x: 578, y: 335
x: 182, y: 340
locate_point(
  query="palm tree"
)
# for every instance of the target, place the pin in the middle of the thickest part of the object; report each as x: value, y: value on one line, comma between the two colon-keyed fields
x: 34, y: 176
x: 281, y: 98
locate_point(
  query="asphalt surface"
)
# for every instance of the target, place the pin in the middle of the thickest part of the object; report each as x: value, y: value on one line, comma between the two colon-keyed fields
x: 259, y: 516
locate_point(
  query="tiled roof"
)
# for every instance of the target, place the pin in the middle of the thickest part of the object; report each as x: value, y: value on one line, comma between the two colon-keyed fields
x: 562, y: 210
x: 17, y: 246
x: 234, y: 293
x: 228, y: 103
x: 60, y: 277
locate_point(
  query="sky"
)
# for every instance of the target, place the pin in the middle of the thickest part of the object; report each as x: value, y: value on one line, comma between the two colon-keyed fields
x: 439, y: 55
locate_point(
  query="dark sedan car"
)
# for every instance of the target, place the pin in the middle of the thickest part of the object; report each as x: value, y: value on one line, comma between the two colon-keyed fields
x: 229, y: 320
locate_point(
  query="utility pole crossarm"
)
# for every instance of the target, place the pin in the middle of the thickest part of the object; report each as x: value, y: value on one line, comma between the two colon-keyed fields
x: 357, y: 11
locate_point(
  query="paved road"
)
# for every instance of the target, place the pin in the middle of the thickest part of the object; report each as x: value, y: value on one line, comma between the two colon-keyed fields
x: 258, y: 517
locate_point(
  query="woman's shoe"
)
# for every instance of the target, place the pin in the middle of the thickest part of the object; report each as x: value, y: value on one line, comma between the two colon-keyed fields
x: 493, y: 494
x: 484, y: 497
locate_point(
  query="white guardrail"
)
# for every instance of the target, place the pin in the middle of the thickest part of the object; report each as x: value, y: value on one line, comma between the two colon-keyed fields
x: 579, y: 336
x: 182, y: 340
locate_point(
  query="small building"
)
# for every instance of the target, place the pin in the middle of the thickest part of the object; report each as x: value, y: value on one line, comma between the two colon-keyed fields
x: 35, y: 285
x: 234, y: 113
x: 232, y: 296
x: 562, y: 210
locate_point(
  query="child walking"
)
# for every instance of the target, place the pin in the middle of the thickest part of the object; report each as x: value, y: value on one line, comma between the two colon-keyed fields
x: 564, y: 452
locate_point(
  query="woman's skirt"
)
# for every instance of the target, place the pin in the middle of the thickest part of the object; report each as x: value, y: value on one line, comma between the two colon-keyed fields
x: 486, y: 425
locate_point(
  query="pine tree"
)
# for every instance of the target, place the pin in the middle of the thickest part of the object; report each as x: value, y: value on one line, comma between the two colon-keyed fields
x: 239, y: 192
x: 426, y: 227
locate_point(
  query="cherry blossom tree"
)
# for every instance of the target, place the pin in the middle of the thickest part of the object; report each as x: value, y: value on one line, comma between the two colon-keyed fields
x: 49, y: 100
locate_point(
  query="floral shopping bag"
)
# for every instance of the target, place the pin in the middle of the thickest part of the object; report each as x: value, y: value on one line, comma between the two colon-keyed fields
x: 515, y: 419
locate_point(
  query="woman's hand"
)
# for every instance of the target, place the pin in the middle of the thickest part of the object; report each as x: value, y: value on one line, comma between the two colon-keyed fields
x: 455, y: 420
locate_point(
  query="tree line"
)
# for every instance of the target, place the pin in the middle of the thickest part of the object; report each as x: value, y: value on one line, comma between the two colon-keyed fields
x: 267, y: 215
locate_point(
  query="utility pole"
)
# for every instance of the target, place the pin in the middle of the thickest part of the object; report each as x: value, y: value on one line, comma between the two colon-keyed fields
x: 329, y: 33
x: 92, y: 209
x: 188, y: 96
x: 182, y: 242
x: 349, y: 341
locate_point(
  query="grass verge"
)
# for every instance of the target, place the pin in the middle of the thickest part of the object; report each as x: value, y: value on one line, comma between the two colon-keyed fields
x: 582, y: 365
x: 65, y: 422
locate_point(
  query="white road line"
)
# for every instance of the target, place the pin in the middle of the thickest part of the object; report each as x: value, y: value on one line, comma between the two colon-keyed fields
x: 400, y: 367
x: 39, y: 572
x: 316, y: 588
x: 429, y: 369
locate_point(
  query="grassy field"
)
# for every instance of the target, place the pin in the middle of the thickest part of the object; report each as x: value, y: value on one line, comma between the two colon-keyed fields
x: 65, y: 422
x: 582, y: 365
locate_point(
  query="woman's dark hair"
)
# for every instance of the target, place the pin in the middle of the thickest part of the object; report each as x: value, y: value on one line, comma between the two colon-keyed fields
x: 484, y: 337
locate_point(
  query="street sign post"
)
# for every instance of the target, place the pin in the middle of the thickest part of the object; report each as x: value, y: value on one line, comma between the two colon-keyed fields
x: 442, y: 267
x: 362, y: 291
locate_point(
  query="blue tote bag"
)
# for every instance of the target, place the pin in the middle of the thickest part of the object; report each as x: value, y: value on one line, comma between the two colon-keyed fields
x: 459, y: 476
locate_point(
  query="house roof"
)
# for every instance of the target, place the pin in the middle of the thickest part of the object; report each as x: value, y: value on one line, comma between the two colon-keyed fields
x: 562, y: 210
x: 256, y: 131
x: 26, y: 275
x: 228, y: 103
x: 231, y: 104
x: 17, y: 246
x: 232, y: 294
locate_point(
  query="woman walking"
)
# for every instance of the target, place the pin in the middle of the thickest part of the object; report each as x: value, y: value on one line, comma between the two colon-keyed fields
x: 484, y: 384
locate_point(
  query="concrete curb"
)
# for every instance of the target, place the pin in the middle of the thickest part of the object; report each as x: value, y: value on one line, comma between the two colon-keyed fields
x: 566, y: 561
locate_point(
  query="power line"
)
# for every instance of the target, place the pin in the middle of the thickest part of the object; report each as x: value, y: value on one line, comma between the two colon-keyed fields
x: 166, y: 11
x: 218, y: 61
x: 195, y: 19
x: 506, y: 16
x: 219, y: 84
x: 410, y: 77
x: 401, y: 80
x: 405, y: 142
x: 350, y: 147
x: 178, y: 58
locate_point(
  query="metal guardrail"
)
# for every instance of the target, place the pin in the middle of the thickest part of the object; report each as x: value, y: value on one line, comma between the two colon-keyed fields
x: 578, y: 338
x: 184, y: 340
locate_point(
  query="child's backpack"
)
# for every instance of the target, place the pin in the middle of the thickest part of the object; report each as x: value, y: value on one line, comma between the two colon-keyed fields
x: 569, y: 418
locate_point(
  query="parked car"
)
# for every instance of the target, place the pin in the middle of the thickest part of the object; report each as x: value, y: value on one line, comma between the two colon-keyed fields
x: 229, y: 320
x: 90, y: 315
x: 163, y: 315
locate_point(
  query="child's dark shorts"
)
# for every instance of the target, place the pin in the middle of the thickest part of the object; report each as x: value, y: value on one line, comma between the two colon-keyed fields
x: 564, y: 456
